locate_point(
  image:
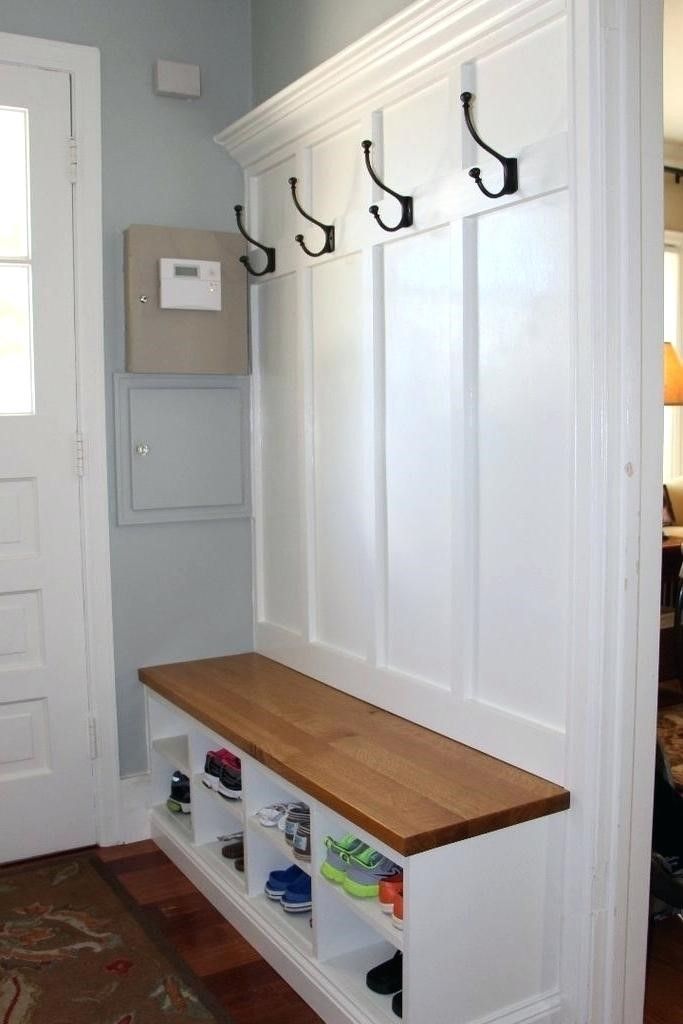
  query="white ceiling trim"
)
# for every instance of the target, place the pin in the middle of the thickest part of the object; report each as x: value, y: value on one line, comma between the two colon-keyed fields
x: 420, y: 35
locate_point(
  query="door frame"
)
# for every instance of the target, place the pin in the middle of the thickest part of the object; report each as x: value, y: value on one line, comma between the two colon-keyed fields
x: 647, y: 280
x: 82, y: 63
x: 613, y: 730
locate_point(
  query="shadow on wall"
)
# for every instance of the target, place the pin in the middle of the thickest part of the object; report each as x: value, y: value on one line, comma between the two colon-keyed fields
x: 290, y: 37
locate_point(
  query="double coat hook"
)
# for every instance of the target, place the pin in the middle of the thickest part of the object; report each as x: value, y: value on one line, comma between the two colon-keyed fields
x: 510, y: 184
x: 267, y: 249
x: 405, y: 201
x: 327, y: 228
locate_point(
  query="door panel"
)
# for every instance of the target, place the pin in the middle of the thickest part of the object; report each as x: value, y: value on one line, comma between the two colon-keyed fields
x: 47, y: 780
x: 18, y: 518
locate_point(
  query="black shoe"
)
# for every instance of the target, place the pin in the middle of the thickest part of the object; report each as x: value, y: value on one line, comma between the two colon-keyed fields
x: 230, y: 783
x: 212, y: 770
x: 397, y: 1004
x: 179, y: 798
x: 233, y: 849
x: 666, y: 884
x: 387, y: 977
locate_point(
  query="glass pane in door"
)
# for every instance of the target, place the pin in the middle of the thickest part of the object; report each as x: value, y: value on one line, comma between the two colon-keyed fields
x: 14, y: 219
x: 16, y: 357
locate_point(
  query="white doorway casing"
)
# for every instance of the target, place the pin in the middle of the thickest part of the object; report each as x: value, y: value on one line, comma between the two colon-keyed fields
x: 82, y: 64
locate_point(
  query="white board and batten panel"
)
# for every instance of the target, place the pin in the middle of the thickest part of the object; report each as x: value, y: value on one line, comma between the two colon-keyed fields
x: 419, y: 466
x: 419, y: 146
x: 415, y: 404
x: 277, y: 456
x: 338, y: 183
x: 343, y: 530
x: 525, y: 453
x: 274, y: 218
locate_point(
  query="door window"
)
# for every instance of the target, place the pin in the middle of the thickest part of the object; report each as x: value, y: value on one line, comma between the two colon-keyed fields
x: 16, y: 348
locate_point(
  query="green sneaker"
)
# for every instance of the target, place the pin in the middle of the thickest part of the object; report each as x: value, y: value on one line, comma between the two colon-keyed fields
x: 333, y: 868
x: 365, y: 870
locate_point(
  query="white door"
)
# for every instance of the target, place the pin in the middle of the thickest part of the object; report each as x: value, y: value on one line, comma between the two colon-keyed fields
x: 46, y: 778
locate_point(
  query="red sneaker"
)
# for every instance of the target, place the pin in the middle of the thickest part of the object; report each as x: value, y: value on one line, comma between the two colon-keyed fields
x: 388, y: 887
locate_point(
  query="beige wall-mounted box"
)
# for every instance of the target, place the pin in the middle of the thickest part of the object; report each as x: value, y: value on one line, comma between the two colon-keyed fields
x: 184, y: 340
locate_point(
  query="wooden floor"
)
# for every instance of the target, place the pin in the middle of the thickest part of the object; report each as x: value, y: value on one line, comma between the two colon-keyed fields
x: 250, y: 990
x: 664, y: 990
x: 252, y: 993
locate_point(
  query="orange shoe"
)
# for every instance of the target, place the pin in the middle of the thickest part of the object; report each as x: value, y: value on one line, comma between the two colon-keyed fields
x: 388, y: 887
x: 397, y: 913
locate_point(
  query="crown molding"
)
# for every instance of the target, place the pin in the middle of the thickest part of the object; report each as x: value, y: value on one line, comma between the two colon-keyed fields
x: 418, y: 36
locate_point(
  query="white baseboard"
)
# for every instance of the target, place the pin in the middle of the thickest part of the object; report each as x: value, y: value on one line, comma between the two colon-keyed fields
x: 545, y: 1009
x: 135, y: 800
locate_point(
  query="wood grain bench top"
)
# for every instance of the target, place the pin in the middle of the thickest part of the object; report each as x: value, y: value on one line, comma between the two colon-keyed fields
x: 410, y: 787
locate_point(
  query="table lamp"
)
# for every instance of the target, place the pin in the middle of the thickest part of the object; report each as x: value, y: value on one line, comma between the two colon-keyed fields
x: 673, y: 376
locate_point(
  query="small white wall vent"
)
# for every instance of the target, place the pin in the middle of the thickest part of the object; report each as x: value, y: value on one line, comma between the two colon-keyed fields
x: 174, y: 79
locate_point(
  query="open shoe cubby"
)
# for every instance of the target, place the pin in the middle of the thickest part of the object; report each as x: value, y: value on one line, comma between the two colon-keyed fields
x: 342, y: 938
x: 466, y: 904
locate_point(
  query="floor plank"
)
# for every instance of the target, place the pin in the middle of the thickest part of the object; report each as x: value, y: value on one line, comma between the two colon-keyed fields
x: 664, y: 986
x: 248, y: 988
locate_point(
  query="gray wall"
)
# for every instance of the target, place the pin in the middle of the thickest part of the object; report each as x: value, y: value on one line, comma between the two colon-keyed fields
x: 289, y: 37
x: 179, y: 590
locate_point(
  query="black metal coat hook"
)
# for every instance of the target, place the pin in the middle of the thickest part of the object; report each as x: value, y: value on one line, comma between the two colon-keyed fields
x: 267, y: 249
x: 327, y: 228
x: 510, y: 184
x: 405, y: 201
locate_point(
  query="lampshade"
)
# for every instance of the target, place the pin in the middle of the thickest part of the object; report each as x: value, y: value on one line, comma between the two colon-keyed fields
x: 673, y: 376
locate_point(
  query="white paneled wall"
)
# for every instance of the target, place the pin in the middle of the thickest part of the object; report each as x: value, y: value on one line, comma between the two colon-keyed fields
x: 415, y: 405
x: 419, y: 456
x: 280, y: 502
x: 341, y: 543
x: 525, y: 451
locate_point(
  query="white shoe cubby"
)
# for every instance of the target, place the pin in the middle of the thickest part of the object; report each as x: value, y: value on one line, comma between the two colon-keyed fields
x: 453, y: 924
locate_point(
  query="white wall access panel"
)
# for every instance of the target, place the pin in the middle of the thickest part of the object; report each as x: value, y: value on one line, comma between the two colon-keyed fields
x: 182, y: 447
x: 414, y: 391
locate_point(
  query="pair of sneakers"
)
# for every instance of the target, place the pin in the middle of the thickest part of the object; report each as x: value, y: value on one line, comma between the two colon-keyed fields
x: 223, y: 773
x: 358, y: 868
x: 294, y: 820
x: 298, y: 831
x: 292, y: 888
x: 390, y: 897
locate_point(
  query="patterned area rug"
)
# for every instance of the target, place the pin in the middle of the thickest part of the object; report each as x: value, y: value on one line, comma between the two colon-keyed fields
x: 73, y: 951
x: 670, y: 731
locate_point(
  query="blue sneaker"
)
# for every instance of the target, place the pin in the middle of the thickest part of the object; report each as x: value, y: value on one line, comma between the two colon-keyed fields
x: 278, y: 881
x: 297, y: 897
